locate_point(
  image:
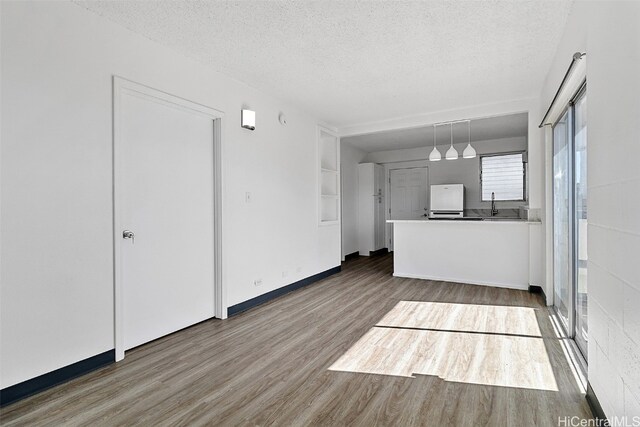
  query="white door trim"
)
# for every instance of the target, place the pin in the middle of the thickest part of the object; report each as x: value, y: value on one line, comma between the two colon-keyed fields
x: 123, y: 86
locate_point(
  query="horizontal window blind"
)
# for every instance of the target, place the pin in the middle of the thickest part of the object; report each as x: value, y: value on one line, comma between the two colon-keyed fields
x: 504, y: 176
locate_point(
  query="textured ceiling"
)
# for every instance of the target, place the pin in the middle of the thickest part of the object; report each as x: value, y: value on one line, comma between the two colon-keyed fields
x: 352, y: 62
x: 484, y: 129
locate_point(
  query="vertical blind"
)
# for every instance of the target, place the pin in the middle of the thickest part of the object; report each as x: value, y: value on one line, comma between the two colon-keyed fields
x: 502, y: 175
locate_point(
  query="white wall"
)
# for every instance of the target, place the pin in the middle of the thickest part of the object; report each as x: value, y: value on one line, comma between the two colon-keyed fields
x: 56, y: 182
x: 609, y: 33
x: 350, y: 156
x: 461, y: 171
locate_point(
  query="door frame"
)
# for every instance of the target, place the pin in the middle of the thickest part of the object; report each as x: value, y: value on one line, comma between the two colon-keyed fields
x: 575, y: 224
x: 570, y: 328
x: 387, y: 213
x: 122, y: 86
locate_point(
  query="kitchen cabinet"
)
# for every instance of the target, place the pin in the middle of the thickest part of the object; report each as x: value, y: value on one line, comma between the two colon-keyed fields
x: 489, y: 253
x: 371, y: 208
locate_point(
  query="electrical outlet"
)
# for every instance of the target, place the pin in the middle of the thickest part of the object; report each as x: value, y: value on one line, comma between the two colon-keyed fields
x: 257, y: 282
x: 247, y: 197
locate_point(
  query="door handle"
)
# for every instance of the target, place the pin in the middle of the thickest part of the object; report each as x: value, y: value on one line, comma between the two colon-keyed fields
x: 128, y: 234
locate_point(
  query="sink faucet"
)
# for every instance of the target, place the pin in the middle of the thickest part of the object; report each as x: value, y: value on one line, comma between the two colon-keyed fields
x: 494, y: 210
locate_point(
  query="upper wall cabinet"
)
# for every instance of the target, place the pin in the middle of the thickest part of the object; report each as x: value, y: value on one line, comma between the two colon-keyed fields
x: 328, y: 177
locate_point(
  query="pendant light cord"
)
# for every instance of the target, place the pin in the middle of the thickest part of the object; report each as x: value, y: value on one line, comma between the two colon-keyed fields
x: 434, y: 136
x: 451, y: 128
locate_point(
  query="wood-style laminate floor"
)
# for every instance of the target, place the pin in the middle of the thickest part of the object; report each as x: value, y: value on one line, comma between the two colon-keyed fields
x: 359, y: 348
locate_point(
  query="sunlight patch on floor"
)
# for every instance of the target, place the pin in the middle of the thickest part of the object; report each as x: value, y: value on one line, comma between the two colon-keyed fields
x: 456, y: 342
x: 463, y: 317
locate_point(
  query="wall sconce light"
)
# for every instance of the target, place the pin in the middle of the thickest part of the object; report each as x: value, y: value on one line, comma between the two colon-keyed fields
x: 248, y: 119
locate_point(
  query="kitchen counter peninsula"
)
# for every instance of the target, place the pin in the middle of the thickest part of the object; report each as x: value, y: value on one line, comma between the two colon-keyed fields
x: 500, y: 252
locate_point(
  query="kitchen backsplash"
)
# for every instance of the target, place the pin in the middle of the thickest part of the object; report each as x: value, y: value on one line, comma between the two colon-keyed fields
x: 510, y: 213
x: 533, y: 214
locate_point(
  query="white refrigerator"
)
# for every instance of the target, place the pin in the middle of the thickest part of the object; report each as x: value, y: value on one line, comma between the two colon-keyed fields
x: 446, y: 201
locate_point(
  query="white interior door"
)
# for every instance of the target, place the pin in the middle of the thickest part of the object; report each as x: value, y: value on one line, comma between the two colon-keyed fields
x: 165, y: 197
x: 407, y: 195
x: 408, y: 189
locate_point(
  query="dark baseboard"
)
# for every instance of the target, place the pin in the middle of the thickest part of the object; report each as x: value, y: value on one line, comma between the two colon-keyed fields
x: 535, y: 289
x: 261, y: 299
x: 35, y: 385
x: 596, y: 409
x: 352, y: 255
x: 379, y: 252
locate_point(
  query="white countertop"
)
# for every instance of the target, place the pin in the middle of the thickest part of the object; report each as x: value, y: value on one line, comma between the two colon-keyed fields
x: 449, y: 221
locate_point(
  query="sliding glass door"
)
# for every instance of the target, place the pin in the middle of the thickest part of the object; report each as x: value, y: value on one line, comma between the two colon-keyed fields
x: 580, y: 219
x: 570, y: 219
x: 561, y: 217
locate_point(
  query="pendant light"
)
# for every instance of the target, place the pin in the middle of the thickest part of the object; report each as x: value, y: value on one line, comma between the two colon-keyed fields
x: 435, y: 154
x: 469, y: 152
x: 452, y: 153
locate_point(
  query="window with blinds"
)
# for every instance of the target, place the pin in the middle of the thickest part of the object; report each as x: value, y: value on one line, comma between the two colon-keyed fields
x: 503, y: 175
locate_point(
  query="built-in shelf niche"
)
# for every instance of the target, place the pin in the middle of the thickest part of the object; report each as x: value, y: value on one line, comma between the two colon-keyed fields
x: 329, y: 183
x: 329, y: 177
